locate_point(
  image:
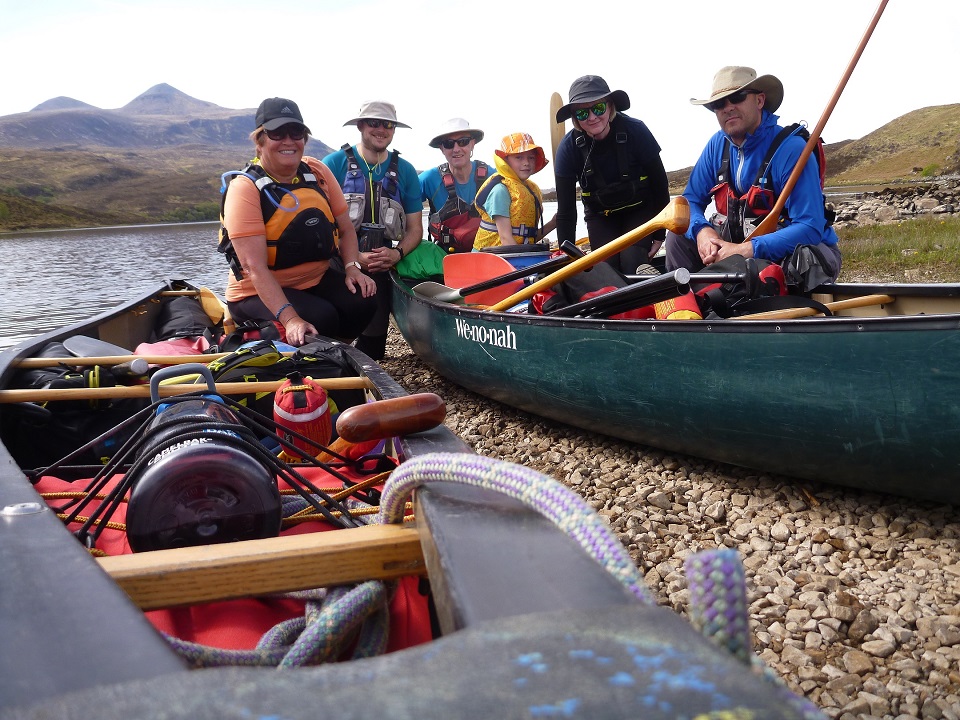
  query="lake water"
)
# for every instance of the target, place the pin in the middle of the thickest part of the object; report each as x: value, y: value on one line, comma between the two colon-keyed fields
x: 52, y: 278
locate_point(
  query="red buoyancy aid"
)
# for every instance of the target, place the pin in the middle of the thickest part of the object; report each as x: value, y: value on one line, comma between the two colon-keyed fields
x: 759, y: 199
x: 454, y: 226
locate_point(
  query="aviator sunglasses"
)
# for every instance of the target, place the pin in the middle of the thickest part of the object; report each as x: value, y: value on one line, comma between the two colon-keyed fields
x: 598, y: 109
x: 462, y: 142
x: 294, y: 132
x: 735, y: 99
x: 387, y: 124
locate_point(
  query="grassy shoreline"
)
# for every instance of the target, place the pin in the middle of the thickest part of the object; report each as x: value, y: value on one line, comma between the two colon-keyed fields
x: 923, y: 249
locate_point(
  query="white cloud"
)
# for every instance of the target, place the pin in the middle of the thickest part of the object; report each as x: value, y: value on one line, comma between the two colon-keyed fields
x: 495, y: 63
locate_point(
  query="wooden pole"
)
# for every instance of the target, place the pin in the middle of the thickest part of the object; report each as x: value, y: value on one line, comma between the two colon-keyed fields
x: 138, y: 391
x: 769, y: 223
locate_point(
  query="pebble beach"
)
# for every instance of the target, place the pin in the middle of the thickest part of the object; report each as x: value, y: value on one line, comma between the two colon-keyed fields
x: 854, y: 597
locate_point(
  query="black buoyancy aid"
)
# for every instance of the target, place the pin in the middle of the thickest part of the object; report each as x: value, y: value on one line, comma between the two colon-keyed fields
x: 454, y: 225
x: 759, y: 199
x: 628, y: 190
x: 385, y: 207
x: 294, y: 236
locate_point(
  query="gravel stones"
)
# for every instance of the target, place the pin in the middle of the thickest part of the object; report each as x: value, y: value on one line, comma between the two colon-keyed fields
x: 854, y: 597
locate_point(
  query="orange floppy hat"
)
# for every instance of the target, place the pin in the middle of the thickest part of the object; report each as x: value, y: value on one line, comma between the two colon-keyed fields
x: 517, y: 143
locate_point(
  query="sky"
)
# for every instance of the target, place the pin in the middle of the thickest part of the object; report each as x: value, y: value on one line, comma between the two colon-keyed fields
x: 495, y: 63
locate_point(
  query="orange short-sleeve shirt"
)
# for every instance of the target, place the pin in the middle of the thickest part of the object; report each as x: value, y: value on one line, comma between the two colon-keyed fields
x: 242, y: 217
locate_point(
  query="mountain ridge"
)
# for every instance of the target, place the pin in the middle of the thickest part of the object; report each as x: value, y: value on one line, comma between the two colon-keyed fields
x: 158, y: 158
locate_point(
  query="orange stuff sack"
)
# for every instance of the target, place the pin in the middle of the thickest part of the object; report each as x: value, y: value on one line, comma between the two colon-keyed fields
x: 684, y: 307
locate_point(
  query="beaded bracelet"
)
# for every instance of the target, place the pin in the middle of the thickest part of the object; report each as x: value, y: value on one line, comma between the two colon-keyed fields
x: 282, y: 308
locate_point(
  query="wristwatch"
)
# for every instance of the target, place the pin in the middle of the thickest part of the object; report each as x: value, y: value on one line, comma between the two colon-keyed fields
x: 399, y: 250
x: 353, y: 264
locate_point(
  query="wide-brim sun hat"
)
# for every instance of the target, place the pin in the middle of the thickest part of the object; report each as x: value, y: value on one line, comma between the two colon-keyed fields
x: 517, y: 143
x: 377, y: 110
x: 588, y: 89
x: 456, y: 126
x: 734, y: 78
x: 277, y: 112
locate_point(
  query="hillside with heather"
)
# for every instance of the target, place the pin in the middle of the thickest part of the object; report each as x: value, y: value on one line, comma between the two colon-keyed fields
x: 70, y: 164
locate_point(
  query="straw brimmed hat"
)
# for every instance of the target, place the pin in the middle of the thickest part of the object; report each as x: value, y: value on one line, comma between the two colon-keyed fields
x: 588, y: 89
x: 377, y: 110
x: 455, y: 126
x: 517, y: 143
x: 733, y: 78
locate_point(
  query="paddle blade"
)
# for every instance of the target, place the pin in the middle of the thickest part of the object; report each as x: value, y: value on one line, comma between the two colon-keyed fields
x: 557, y: 130
x: 466, y: 269
x: 494, y: 295
x: 211, y: 305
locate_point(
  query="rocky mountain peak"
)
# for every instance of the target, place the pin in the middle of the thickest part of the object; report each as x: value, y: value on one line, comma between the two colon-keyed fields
x: 62, y: 103
x: 164, y: 99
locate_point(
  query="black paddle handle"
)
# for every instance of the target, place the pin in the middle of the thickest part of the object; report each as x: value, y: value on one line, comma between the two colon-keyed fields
x: 656, y: 289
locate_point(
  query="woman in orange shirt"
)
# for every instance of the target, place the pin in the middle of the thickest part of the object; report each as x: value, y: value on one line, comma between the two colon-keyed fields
x: 283, y: 217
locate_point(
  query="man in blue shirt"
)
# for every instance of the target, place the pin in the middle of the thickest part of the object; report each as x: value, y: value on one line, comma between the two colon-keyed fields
x: 382, y: 191
x: 727, y: 174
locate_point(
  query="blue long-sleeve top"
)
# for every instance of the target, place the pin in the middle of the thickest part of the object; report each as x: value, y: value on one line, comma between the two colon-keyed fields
x: 804, y: 206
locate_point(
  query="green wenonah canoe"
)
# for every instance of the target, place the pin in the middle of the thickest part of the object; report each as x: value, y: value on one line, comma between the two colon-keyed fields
x: 868, y: 398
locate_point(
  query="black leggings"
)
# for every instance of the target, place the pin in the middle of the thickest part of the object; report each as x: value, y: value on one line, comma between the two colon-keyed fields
x: 329, y: 306
x: 606, y: 228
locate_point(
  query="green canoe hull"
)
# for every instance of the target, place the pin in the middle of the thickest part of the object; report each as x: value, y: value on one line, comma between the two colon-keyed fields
x: 870, y: 403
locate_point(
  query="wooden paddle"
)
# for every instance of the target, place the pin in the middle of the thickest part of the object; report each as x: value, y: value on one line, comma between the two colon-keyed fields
x: 557, y: 130
x: 137, y: 391
x: 769, y: 223
x: 848, y: 304
x: 674, y: 217
x: 212, y: 305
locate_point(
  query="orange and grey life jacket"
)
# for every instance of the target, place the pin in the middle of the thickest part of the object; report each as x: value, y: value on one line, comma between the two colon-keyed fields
x: 632, y: 184
x: 375, y: 202
x: 454, y: 226
x: 741, y: 211
x: 526, y: 211
x: 299, y: 223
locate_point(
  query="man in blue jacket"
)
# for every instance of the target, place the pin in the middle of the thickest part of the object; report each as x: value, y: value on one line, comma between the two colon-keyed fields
x: 729, y: 173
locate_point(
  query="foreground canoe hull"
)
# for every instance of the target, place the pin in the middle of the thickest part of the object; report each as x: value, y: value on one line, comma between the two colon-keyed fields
x: 871, y: 403
x: 73, y: 628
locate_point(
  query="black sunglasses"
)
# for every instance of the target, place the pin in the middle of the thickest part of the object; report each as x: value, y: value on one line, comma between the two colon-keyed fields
x: 462, y: 142
x: 294, y: 132
x: 388, y: 124
x: 735, y: 99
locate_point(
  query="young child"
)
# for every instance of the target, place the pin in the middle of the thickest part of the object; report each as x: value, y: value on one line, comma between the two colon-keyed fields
x: 511, y: 205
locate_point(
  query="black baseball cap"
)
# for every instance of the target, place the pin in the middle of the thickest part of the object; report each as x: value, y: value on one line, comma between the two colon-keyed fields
x: 277, y: 112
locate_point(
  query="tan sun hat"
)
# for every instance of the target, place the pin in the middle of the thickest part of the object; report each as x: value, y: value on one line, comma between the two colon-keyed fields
x: 455, y: 126
x: 733, y: 78
x: 377, y: 110
x: 517, y: 143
